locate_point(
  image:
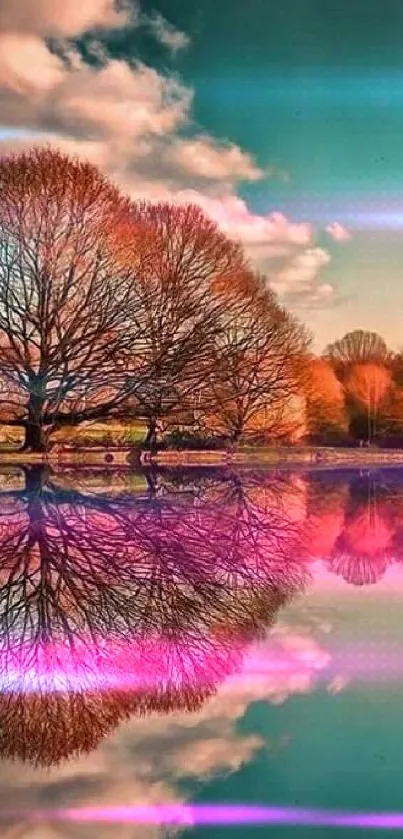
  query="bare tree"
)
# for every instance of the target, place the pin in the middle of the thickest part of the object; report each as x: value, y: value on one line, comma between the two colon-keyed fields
x: 187, y: 275
x: 66, y: 302
x: 357, y: 347
x: 258, y: 365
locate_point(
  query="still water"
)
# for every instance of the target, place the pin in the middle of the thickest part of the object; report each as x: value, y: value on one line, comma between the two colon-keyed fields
x: 201, y: 654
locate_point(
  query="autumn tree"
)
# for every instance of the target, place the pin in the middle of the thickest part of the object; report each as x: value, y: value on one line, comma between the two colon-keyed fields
x: 182, y: 262
x: 367, y: 386
x: 364, y: 365
x: 325, y: 401
x: 357, y: 347
x: 67, y: 308
x: 258, y: 355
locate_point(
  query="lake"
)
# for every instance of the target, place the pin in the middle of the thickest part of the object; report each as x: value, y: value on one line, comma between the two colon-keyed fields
x: 201, y: 653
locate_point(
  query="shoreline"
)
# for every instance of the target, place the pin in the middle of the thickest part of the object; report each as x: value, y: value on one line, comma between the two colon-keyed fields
x: 318, y: 458
x: 124, y: 457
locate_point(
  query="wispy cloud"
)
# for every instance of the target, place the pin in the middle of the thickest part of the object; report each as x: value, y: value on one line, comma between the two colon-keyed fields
x: 165, y: 33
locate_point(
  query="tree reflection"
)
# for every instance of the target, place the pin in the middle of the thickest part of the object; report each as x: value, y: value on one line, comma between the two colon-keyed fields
x: 354, y: 522
x: 113, y: 604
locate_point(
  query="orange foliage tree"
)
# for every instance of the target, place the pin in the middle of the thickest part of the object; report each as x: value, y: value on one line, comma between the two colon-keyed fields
x: 187, y: 275
x: 364, y: 365
x: 257, y: 365
x: 367, y: 386
x: 325, y: 402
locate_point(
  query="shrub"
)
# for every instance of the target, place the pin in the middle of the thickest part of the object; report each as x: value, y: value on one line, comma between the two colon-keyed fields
x: 192, y: 441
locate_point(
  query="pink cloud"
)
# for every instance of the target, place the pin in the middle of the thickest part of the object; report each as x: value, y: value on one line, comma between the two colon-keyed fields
x: 338, y: 232
x: 67, y: 19
x: 256, y: 231
x: 204, y: 157
x: 27, y: 67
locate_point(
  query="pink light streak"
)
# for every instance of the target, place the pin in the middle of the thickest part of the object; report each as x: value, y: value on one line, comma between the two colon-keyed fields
x: 159, y: 664
x: 221, y: 814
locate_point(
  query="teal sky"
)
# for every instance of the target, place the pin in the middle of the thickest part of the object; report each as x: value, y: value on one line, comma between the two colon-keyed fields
x: 314, y: 87
x: 310, y: 88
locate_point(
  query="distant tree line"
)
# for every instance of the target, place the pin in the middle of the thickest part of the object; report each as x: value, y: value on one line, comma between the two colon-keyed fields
x: 132, y: 311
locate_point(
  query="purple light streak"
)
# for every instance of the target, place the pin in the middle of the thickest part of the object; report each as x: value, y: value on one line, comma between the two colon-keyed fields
x: 185, y: 815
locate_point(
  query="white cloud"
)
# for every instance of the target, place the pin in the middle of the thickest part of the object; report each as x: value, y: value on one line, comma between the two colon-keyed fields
x: 299, y: 278
x: 128, y: 118
x: 167, y: 34
x: 338, y: 232
x: 204, y: 157
x: 262, y: 236
x: 67, y: 19
x: 118, y: 100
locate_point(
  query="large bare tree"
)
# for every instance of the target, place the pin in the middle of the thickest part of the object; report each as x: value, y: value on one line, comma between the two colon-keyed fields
x: 66, y: 299
x: 188, y: 273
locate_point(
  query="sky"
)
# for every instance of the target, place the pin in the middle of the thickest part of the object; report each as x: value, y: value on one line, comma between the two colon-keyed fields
x: 284, y: 121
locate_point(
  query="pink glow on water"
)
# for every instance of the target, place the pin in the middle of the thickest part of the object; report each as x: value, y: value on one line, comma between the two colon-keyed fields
x: 286, y: 659
x: 185, y: 815
x: 145, y: 664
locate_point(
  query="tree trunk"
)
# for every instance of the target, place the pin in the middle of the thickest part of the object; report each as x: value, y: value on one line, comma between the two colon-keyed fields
x: 35, y: 478
x: 152, y: 482
x: 236, y: 435
x: 151, y: 438
x: 35, y: 435
x: 35, y: 438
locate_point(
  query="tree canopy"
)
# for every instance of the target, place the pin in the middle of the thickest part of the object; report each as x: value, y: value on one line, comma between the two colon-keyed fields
x: 110, y: 308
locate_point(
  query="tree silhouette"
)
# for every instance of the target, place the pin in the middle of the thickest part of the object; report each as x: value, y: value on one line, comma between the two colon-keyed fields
x: 112, y: 605
x: 357, y: 347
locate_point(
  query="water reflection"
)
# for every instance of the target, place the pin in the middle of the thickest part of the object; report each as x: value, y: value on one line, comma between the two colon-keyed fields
x: 355, y: 523
x: 141, y: 594
x: 114, y: 603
